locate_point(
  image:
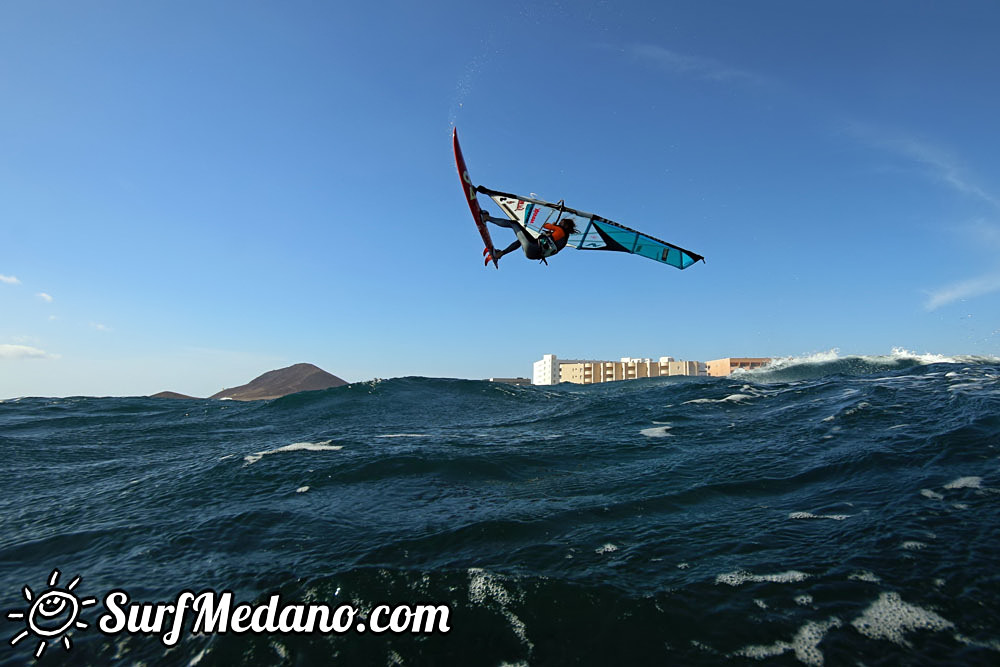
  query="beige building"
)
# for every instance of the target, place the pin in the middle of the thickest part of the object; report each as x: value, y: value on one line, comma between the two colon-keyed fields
x: 551, y: 370
x: 723, y: 367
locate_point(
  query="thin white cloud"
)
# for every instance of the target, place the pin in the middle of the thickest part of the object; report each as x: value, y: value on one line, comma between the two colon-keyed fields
x: 101, y: 327
x: 984, y: 233
x: 12, y: 352
x: 965, y: 289
x: 945, y: 168
x: 10, y: 280
x: 696, y: 66
x: 47, y: 298
x: 940, y: 164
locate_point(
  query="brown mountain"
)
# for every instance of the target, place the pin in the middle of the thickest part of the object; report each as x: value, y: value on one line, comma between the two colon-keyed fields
x: 284, y: 381
x: 170, y: 394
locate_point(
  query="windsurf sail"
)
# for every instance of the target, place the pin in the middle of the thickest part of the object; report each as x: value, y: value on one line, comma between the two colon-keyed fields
x: 593, y: 231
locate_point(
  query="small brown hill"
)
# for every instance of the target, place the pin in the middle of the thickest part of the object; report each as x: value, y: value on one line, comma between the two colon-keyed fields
x: 282, y: 382
x: 170, y: 394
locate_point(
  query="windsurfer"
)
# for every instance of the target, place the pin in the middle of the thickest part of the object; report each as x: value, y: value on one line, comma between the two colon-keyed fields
x: 552, y: 239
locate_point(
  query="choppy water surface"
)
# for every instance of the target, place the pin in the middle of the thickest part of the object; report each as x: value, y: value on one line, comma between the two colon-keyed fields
x: 844, y: 511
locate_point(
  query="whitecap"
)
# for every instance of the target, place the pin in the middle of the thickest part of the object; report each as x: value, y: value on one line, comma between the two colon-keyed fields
x: 323, y: 446
x: 965, y: 385
x: 741, y: 577
x: 933, y: 495
x: 913, y: 545
x: 890, y: 618
x: 864, y: 575
x: 857, y: 408
x: 404, y: 435
x: 991, y: 644
x: 656, y: 432
x: 805, y: 644
x: 808, y: 515
x: 302, y: 489
x: 483, y: 587
x: 606, y: 549
x: 732, y: 398
x: 965, y: 483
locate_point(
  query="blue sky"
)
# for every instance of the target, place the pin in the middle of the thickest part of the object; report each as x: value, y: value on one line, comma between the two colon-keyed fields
x: 193, y: 193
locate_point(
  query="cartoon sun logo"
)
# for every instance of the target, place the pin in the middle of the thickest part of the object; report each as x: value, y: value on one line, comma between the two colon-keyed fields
x: 51, y: 614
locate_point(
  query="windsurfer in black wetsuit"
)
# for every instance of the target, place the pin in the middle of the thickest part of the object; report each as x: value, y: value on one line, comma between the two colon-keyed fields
x: 552, y: 239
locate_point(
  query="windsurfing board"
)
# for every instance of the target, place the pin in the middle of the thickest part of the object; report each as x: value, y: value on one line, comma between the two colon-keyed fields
x: 470, y: 196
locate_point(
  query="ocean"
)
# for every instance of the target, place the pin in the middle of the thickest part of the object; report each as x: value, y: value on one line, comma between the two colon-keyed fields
x: 840, y: 511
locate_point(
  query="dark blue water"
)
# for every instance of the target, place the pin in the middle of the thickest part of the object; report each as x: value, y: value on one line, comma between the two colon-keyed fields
x: 845, y: 512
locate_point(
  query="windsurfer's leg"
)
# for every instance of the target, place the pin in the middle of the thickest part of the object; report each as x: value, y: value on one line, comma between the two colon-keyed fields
x: 512, y: 246
x: 501, y: 222
x: 528, y: 243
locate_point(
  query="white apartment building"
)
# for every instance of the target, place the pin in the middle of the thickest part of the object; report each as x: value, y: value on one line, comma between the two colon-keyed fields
x: 547, y: 369
x: 552, y: 370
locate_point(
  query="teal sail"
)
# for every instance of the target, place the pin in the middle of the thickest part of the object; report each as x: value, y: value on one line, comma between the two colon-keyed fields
x: 593, y: 231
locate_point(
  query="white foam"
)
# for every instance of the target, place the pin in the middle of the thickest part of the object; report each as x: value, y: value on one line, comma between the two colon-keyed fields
x: 741, y: 577
x: 890, y: 618
x: 913, y: 545
x: 896, y: 354
x: 814, y: 358
x: 804, y: 600
x: 302, y: 489
x: 323, y: 446
x: 657, y: 432
x: 404, y: 435
x: 864, y: 575
x: 483, y: 587
x: 732, y: 398
x: 965, y: 483
x: 808, y: 515
x: 606, y: 549
x: 927, y: 493
x: 760, y: 603
x: 805, y: 644
x: 991, y: 644
x: 858, y: 408
x: 281, y: 650
x: 965, y: 385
